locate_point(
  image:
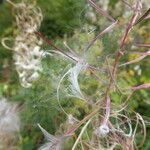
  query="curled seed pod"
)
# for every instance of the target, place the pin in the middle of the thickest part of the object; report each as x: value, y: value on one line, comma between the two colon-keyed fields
x: 27, y: 47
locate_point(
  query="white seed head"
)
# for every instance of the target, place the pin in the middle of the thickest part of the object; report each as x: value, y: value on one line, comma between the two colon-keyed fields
x: 74, y: 73
x: 9, y: 120
x: 27, y: 46
x: 53, y: 143
x: 102, y: 131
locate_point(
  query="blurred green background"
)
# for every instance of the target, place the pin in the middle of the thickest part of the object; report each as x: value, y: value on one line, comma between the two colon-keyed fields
x: 65, y: 20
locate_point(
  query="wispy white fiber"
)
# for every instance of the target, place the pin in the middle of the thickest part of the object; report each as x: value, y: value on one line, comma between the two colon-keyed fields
x: 73, y: 78
x: 9, y: 120
x: 53, y: 143
x: 102, y: 130
x: 73, y: 74
x: 9, y: 124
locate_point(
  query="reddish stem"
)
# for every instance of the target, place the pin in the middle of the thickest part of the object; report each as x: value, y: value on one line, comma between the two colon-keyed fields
x: 99, y: 10
x: 51, y: 44
x: 105, y: 122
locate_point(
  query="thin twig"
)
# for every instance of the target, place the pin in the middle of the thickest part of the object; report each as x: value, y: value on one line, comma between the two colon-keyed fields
x: 51, y: 44
x: 108, y: 29
x: 145, y: 15
x: 99, y: 10
x: 147, y: 45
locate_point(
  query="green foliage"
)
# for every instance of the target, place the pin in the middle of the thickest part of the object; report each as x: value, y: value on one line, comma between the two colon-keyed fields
x: 61, y: 16
x: 39, y: 103
x: 5, y: 29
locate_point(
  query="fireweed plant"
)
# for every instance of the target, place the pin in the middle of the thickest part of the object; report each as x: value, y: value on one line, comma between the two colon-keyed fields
x: 107, y: 126
x: 27, y: 47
